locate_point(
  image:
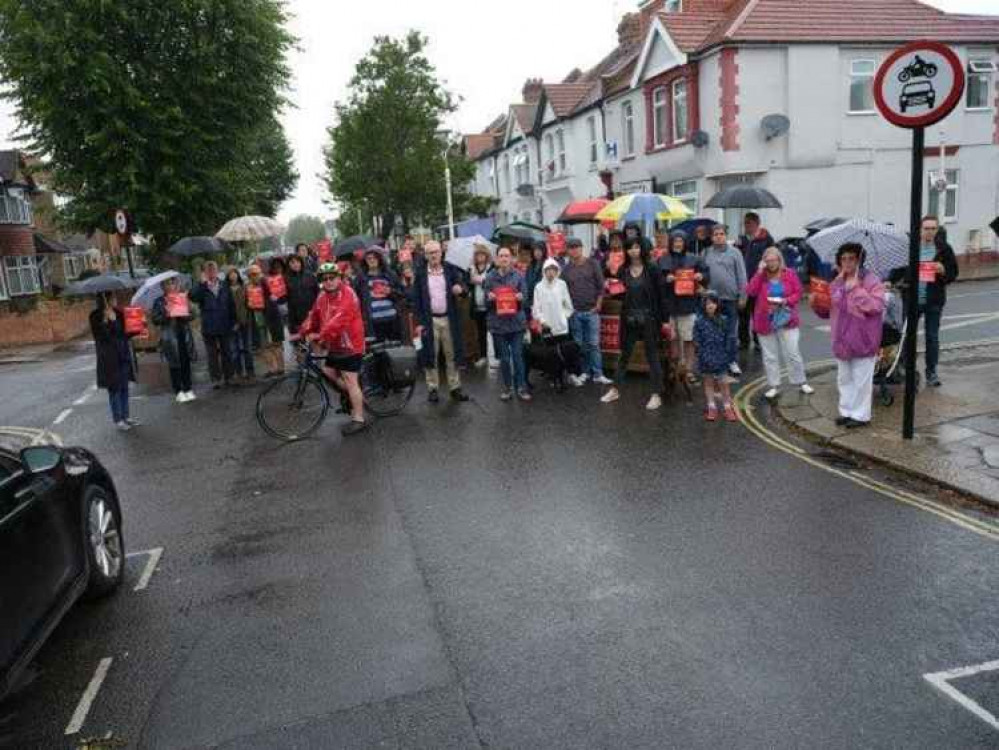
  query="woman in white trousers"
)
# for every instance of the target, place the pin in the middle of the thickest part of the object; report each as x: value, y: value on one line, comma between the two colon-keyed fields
x: 776, y: 292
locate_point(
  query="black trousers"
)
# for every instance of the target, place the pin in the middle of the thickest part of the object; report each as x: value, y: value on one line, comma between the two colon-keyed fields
x: 219, y: 350
x: 649, y: 335
x: 479, y: 318
x: 745, y: 324
x: 180, y: 376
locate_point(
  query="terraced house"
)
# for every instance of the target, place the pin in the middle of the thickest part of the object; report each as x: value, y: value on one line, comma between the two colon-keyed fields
x: 701, y: 94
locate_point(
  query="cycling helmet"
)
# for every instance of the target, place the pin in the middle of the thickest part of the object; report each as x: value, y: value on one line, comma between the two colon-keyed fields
x: 328, y: 269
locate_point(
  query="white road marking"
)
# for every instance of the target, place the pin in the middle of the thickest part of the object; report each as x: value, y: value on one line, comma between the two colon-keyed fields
x: 35, y: 435
x: 62, y: 416
x: 87, y: 699
x: 85, y: 396
x: 154, y: 559
x: 941, y: 681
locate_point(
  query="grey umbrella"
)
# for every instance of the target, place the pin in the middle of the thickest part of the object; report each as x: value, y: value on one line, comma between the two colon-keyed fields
x: 98, y: 285
x: 191, y: 246
x: 744, y: 196
x: 351, y: 245
x: 817, y: 225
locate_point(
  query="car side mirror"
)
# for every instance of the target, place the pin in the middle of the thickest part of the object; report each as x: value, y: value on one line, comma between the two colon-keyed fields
x: 39, y: 459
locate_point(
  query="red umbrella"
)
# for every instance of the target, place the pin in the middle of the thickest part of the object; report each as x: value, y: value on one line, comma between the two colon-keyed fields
x: 582, y: 212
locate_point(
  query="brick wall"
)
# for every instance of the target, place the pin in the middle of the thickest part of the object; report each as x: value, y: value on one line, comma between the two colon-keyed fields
x: 16, y: 239
x: 47, y: 322
x: 729, y: 94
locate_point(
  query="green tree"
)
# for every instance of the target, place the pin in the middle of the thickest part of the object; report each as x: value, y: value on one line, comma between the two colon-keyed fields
x: 386, y: 148
x: 167, y: 107
x: 304, y: 228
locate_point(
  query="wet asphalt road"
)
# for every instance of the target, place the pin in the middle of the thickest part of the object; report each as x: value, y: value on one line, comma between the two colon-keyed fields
x: 560, y: 574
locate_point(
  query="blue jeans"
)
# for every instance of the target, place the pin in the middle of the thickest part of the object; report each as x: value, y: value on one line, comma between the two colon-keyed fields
x: 585, y: 329
x: 242, y: 349
x: 931, y: 323
x: 118, y: 397
x: 510, y: 350
x: 730, y: 309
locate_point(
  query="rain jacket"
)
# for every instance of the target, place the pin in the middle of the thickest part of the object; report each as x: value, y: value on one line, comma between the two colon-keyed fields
x: 753, y: 247
x: 302, y: 292
x: 112, y: 349
x: 218, y: 316
x: 506, y: 324
x: 759, y: 288
x: 336, y: 318
x: 552, y: 305
x: 673, y: 306
x: 711, y: 340
x: 856, y: 317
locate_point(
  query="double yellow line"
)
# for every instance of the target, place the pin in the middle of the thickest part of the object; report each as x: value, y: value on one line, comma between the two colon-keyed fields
x: 744, y: 405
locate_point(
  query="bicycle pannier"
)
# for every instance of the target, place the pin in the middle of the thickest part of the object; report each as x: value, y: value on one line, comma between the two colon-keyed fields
x: 404, y: 367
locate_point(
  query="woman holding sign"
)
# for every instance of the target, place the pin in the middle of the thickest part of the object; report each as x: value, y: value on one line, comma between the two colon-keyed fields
x: 504, y: 289
x: 268, y: 328
x: 172, y: 313
x: 378, y: 289
x: 777, y: 291
x: 682, y: 273
x: 641, y: 319
x: 114, y: 358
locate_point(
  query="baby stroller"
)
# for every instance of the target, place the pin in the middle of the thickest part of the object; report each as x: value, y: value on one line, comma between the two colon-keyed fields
x: 888, y: 370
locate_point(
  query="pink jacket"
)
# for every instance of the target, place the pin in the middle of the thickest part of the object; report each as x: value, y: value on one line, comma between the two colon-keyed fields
x: 758, y: 288
x: 857, y: 316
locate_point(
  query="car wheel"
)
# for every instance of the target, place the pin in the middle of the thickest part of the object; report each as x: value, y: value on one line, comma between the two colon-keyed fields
x: 104, y: 542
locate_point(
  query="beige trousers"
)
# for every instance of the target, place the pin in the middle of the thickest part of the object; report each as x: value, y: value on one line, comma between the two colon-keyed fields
x: 443, y: 341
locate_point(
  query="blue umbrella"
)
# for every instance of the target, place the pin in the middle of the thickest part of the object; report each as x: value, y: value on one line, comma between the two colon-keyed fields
x: 690, y: 225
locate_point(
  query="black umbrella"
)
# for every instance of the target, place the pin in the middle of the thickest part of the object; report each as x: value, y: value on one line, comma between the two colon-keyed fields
x: 351, y: 245
x: 995, y: 225
x: 817, y: 225
x: 521, y: 231
x: 191, y: 246
x: 744, y: 196
x: 105, y: 282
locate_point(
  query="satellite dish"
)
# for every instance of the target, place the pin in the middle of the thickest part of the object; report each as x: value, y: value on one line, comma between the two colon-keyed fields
x: 699, y: 139
x: 774, y: 125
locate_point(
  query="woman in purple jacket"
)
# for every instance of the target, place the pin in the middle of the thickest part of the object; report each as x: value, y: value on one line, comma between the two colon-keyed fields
x: 776, y: 292
x: 858, y: 303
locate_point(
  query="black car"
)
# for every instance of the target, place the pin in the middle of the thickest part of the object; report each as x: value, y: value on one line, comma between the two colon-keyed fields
x: 60, y: 540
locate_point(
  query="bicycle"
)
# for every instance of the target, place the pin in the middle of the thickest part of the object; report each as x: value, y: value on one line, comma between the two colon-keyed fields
x: 294, y: 406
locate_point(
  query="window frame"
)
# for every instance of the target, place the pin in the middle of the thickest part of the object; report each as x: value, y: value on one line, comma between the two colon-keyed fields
x: 940, y: 198
x: 563, y: 164
x: 628, y: 128
x: 4, y: 294
x: 507, y: 178
x: 591, y: 129
x: 20, y: 264
x: 987, y: 74
x: 679, y: 134
x: 688, y: 195
x: 659, y: 116
x: 869, y: 77
x: 550, y: 151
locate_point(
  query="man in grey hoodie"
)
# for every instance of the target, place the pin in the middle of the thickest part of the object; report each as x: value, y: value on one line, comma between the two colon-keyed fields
x: 727, y: 272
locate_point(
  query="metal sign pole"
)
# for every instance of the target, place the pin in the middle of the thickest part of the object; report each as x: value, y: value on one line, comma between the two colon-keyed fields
x: 912, y: 283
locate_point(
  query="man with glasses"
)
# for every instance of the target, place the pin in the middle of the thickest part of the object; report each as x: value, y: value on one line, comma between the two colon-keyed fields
x: 336, y: 323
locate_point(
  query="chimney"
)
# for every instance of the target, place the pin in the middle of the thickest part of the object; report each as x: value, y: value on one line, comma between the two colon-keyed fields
x: 532, y: 90
x: 629, y: 31
x: 647, y: 12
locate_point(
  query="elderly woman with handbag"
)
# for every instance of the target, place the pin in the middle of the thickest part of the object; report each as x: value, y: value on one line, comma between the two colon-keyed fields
x: 776, y: 291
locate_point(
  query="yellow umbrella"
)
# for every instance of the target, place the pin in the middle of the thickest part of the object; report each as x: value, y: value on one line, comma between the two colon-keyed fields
x: 644, y: 207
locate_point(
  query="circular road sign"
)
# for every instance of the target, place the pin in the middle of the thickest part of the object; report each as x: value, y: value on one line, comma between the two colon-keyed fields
x: 919, y: 84
x: 121, y: 221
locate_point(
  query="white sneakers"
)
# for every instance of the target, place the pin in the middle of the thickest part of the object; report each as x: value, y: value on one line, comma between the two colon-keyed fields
x: 655, y: 401
x: 123, y: 426
x: 578, y: 380
x: 602, y: 380
x: 480, y: 363
x: 611, y: 396
x: 735, y: 369
x: 184, y: 396
x: 771, y: 394
x: 807, y: 389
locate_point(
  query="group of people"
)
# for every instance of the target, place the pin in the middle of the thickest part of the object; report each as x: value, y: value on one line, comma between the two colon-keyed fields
x: 691, y: 301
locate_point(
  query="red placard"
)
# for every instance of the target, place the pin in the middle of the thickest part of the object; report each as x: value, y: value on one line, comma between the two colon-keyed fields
x: 177, y: 305
x: 506, y: 301
x: 684, y: 285
x: 276, y: 286
x: 821, y: 296
x: 380, y: 289
x: 610, y: 333
x: 613, y: 287
x: 255, y: 297
x: 135, y: 320
x: 928, y: 271
x: 556, y: 244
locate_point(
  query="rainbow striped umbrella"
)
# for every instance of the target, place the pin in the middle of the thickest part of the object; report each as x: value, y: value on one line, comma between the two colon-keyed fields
x: 644, y: 207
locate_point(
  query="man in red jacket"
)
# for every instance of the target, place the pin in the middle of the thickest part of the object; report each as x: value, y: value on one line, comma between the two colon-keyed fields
x: 335, y: 321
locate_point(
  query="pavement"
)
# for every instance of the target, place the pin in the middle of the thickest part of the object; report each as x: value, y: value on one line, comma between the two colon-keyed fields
x: 956, y: 444
x: 558, y: 574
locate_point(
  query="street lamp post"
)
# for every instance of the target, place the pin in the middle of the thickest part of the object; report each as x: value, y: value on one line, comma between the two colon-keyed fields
x: 450, y: 200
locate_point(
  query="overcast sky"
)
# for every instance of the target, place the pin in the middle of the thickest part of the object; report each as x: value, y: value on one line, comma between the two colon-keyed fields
x: 483, y: 51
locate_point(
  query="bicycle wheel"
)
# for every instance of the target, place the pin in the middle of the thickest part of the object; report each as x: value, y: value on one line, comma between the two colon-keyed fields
x: 293, y: 407
x: 381, y: 397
